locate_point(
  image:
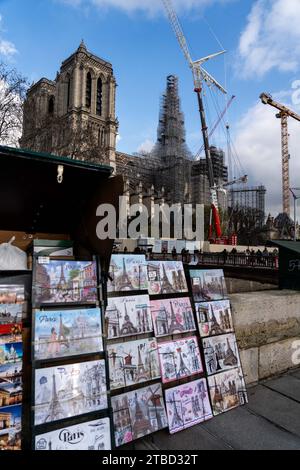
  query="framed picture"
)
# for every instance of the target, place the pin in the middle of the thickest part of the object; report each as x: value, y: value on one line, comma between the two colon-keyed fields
x: 11, y: 353
x: 128, y: 316
x: 63, y: 333
x: 92, y: 435
x: 10, y: 427
x: 133, y: 362
x: 10, y: 333
x: 11, y: 294
x: 187, y: 405
x: 69, y: 390
x: 227, y: 390
x: 166, y: 277
x: 179, y: 359
x: 214, y: 318
x: 208, y: 285
x: 11, y: 373
x: 11, y: 313
x: 172, y: 316
x: 65, y: 282
x: 139, y: 413
x: 127, y: 273
x: 221, y: 353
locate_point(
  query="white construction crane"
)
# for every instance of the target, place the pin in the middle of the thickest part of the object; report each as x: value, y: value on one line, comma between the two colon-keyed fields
x: 283, y: 115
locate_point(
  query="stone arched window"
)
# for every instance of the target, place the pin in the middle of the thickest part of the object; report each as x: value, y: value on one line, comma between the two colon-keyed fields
x: 88, y: 96
x: 51, y: 105
x: 99, y: 97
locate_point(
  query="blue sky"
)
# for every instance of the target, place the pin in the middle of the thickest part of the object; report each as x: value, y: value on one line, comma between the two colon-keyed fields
x: 263, y: 55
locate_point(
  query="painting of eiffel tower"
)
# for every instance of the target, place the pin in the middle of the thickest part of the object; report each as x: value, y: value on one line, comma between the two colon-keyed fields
x: 221, y: 353
x: 166, y: 277
x: 56, y: 411
x: 171, y: 316
x: 127, y: 273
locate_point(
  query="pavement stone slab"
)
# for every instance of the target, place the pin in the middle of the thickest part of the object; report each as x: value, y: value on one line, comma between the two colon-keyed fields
x: 287, y: 385
x: 296, y: 374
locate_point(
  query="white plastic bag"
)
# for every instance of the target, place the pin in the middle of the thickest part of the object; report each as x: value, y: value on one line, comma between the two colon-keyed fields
x: 12, y: 258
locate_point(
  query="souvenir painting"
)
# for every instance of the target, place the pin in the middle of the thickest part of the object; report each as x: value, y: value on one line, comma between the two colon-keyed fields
x: 139, y: 413
x: 65, y: 282
x: 69, y: 390
x: 172, y: 316
x: 11, y: 353
x: 133, y: 362
x: 10, y: 427
x: 179, y: 359
x: 187, y: 405
x: 227, y: 390
x: 11, y: 313
x: 11, y: 333
x: 221, y: 353
x: 166, y: 277
x: 11, y: 294
x: 93, y: 435
x: 62, y: 333
x: 11, y: 372
x: 214, y: 318
x: 10, y: 392
x: 208, y: 285
x: 128, y: 316
x: 127, y: 273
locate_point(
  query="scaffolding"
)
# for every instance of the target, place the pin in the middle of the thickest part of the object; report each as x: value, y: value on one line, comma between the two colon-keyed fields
x: 250, y: 198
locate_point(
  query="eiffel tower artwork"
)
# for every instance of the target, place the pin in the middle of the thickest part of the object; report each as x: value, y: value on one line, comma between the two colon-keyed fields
x: 215, y: 328
x: 183, y: 371
x: 141, y: 425
x: 166, y: 286
x: 55, y: 409
x: 175, y: 326
x: 230, y: 359
x: 62, y: 283
x: 141, y: 374
x: 127, y: 327
x: 176, y: 420
x: 124, y: 282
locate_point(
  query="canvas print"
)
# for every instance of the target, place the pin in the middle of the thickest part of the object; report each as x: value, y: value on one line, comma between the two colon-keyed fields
x: 63, y: 333
x: 221, y: 353
x: 11, y: 353
x: 187, y: 405
x: 11, y: 313
x: 11, y: 294
x: 227, y: 390
x: 69, y: 390
x: 11, y: 333
x: 128, y: 316
x: 172, y: 316
x: 63, y: 282
x: 10, y: 428
x: 208, y: 285
x: 139, y: 413
x: 93, y: 435
x: 214, y: 318
x: 179, y: 359
x: 133, y: 362
x: 166, y: 277
x: 127, y: 273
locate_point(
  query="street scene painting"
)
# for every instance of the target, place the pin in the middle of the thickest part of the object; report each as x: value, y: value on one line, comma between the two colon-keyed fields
x: 221, y: 353
x: 11, y: 313
x: 227, y: 390
x: 63, y: 282
x: 11, y: 353
x: 69, y: 390
x: 92, y: 435
x: 214, y: 318
x: 127, y: 273
x: 172, y: 316
x: 11, y: 294
x: 63, y: 333
x: 128, y: 316
x: 10, y: 428
x: 133, y: 362
x: 139, y: 413
x: 10, y: 333
x: 179, y: 359
x: 208, y: 285
x: 166, y: 277
x: 187, y: 405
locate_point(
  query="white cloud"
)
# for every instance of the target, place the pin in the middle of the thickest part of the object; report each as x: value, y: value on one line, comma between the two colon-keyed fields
x: 271, y: 39
x: 146, y: 146
x: 258, y: 142
x: 7, y: 48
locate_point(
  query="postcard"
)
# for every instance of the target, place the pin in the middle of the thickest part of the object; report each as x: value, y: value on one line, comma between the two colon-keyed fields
x: 208, y: 285
x: 172, y: 316
x: 11, y: 372
x: 11, y: 313
x: 63, y: 282
x: 187, y: 405
x: 11, y: 428
x: 138, y: 413
x: 11, y: 294
x: 63, y: 333
x: 214, y: 318
x: 128, y: 316
x: 92, y: 435
x: 69, y: 390
x: 127, y: 273
x: 221, y: 353
x: 166, y: 277
x: 11, y: 353
x: 179, y: 359
x: 227, y: 390
x: 11, y: 333
x: 133, y: 362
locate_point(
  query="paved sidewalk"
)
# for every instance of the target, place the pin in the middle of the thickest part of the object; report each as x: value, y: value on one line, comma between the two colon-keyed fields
x: 271, y: 421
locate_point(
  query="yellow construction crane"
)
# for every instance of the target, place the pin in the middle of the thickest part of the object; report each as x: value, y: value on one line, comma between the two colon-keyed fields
x: 283, y: 114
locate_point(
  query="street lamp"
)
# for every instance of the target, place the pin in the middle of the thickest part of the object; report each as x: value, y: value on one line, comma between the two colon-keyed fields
x: 295, y: 197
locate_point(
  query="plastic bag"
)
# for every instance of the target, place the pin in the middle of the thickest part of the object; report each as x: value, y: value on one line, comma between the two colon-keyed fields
x: 12, y: 258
